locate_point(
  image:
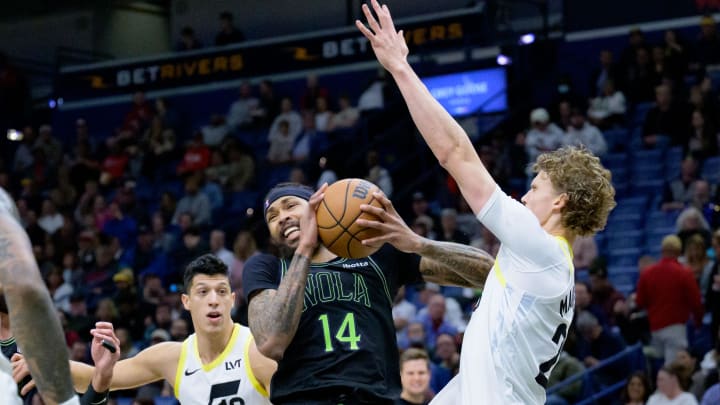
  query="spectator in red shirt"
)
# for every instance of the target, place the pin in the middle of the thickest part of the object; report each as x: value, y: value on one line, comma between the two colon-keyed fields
x: 669, y: 293
x: 196, y: 157
x: 114, y: 165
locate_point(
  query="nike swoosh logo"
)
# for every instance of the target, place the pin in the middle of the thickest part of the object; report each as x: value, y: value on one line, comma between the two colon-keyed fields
x: 188, y: 373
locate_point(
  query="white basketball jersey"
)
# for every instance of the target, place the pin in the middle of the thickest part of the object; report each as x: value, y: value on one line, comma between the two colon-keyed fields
x: 228, y: 380
x: 8, y: 388
x: 514, y: 337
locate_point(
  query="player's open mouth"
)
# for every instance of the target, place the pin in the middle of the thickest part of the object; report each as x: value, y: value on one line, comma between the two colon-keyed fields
x: 214, y: 315
x: 289, y: 230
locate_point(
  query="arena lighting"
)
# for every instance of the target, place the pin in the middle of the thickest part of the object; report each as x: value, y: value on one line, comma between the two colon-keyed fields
x: 527, y: 39
x: 52, y: 103
x: 503, y: 60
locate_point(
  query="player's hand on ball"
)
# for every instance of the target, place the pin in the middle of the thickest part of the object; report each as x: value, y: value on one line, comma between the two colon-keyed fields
x: 308, y: 221
x: 393, y: 229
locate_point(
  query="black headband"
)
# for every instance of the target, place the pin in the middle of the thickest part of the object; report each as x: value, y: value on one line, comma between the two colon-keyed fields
x: 284, y: 191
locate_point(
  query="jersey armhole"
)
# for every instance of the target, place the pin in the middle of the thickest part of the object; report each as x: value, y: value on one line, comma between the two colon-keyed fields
x: 180, y: 365
x: 248, y: 368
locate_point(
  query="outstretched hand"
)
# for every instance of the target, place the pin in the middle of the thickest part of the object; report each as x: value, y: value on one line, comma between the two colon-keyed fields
x: 393, y: 229
x: 389, y: 45
x: 103, y: 358
x: 308, y: 220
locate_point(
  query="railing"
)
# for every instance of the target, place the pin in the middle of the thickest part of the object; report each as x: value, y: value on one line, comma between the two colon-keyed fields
x: 590, y: 395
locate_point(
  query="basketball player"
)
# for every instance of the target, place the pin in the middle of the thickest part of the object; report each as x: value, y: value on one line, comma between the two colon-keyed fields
x: 218, y: 364
x: 516, y: 334
x: 35, y: 324
x: 328, y: 320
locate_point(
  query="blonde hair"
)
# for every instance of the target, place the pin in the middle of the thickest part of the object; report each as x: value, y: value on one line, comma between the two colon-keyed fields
x: 590, y: 194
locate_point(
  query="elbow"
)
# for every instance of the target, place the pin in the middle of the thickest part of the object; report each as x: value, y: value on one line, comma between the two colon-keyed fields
x: 272, y: 349
x: 450, y: 154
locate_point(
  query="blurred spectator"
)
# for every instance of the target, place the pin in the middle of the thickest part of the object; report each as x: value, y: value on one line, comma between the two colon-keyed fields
x: 567, y: 366
x: 236, y: 172
x: 188, y: 40
x: 543, y: 136
x: 313, y: 91
x: 604, y: 294
x: 244, y: 247
x: 160, y: 142
x: 268, y: 107
x: 281, y: 144
x: 114, y: 165
x: 23, y: 159
x: 688, y: 360
x: 78, y: 319
x: 373, y: 97
x: 323, y: 115
x: 290, y: 116
x: 584, y: 302
x: 712, y: 395
x: 50, y: 220
x: 402, y: 311
x: 346, y: 117
x: 414, y: 377
x: 303, y: 145
x: 127, y: 347
x: 585, y: 251
x: 377, y: 174
x: 139, y: 116
x: 179, y: 330
x: 59, y: 289
x: 712, y: 294
x: 707, y: 47
x: 79, y: 352
x: 676, y: 55
x: 244, y: 110
x: 486, y: 241
x: 229, y: 34
x: 690, y: 222
x: 637, y: 390
x: 195, y: 203
x: 679, y: 191
x: 697, y: 260
x: 106, y: 311
x: 702, y: 140
x: 671, y: 388
x: 580, y: 133
x: 217, y: 247
x: 423, y: 225
x: 170, y: 117
x: 636, y: 41
x: 665, y: 118
x: 51, y: 147
x: 450, y: 231
x: 658, y: 62
x: 466, y: 221
x: 84, y: 166
x: 608, y: 108
x: 602, y: 344
x: 706, y: 203
x: 192, y: 245
x: 603, y: 74
x: 669, y: 293
x: 215, y: 132
x: 434, y: 322
x: 196, y: 157
x: 412, y: 336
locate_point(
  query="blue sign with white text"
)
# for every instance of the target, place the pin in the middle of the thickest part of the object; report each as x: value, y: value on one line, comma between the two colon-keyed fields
x: 464, y: 93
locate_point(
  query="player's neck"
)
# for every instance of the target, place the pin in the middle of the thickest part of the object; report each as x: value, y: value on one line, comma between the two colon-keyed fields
x: 554, y: 227
x: 211, y: 345
x: 322, y: 255
x: 5, y: 332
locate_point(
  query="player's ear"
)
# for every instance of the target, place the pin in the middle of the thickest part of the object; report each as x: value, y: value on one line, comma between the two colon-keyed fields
x: 560, y: 201
x: 185, y: 301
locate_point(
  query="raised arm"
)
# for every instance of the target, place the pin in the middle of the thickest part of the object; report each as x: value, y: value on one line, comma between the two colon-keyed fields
x: 447, y: 140
x: 32, y: 314
x: 274, y: 315
x: 444, y: 263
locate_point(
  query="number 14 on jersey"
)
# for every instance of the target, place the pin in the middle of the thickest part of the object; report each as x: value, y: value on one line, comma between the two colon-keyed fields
x: 346, y: 333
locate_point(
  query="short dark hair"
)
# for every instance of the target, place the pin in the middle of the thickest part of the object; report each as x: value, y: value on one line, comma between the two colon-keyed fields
x: 414, y: 354
x: 207, y: 264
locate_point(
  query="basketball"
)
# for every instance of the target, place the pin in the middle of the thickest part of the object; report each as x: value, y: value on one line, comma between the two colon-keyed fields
x: 336, y: 217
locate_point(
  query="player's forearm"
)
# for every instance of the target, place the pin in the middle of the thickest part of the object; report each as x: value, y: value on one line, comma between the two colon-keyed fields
x: 32, y: 315
x: 451, y: 263
x: 82, y: 375
x: 274, y: 318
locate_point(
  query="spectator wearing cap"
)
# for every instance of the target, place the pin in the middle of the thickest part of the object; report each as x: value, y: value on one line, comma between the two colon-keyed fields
x: 229, y: 34
x: 581, y: 133
x: 669, y: 293
x: 543, y: 136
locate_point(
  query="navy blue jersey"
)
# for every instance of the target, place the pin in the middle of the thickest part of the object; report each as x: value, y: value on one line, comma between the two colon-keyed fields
x: 346, y: 336
x: 9, y: 347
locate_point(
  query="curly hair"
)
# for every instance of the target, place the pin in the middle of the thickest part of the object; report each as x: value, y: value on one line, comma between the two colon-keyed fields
x: 590, y: 194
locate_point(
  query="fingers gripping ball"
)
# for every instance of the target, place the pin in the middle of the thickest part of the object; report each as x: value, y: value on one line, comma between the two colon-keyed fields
x: 336, y: 217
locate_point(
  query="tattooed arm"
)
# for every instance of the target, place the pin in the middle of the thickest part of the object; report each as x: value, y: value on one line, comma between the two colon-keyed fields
x: 274, y: 315
x: 450, y: 263
x: 33, y: 318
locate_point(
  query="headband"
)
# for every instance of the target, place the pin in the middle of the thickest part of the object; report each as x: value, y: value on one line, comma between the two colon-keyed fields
x: 284, y: 191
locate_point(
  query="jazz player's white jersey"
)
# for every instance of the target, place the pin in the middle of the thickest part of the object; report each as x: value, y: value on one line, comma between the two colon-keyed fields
x: 228, y: 380
x: 517, y: 332
x: 8, y: 388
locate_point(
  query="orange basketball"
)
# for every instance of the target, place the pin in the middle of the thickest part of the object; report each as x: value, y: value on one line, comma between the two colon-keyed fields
x: 337, y: 213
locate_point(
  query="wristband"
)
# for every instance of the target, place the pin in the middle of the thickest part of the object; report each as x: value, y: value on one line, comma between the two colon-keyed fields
x: 92, y: 397
x: 72, y: 401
